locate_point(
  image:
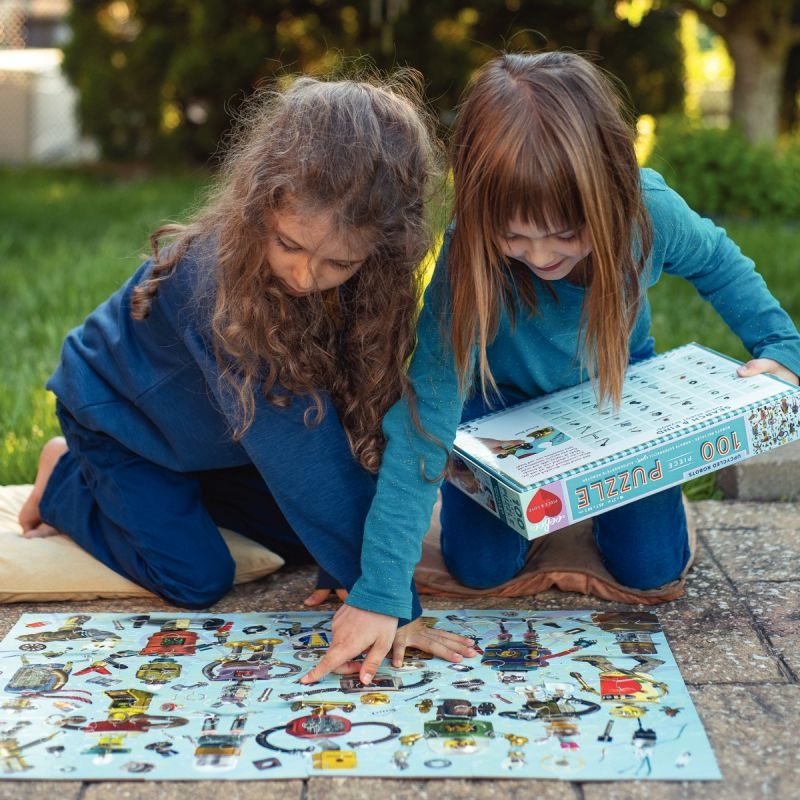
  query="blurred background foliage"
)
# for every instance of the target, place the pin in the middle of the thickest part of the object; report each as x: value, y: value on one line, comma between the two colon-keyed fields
x: 159, y: 82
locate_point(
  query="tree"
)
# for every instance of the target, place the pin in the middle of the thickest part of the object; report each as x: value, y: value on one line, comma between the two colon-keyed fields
x: 448, y: 39
x: 158, y: 81
x: 759, y: 35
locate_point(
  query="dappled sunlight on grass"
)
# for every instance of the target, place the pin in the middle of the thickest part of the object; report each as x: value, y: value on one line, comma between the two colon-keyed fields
x: 23, y: 438
x: 69, y: 238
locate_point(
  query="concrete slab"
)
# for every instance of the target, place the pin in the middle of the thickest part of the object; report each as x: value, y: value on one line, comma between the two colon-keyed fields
x: 196, y: 790
x: 752, y: 541
x: 372, y: 789
x: 771, y: 476
x: 40, y: 790
x: 776, y: 608
x: 711, y: 631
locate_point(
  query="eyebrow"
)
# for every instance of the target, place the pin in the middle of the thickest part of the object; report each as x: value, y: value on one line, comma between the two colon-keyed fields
x: 277, y: 230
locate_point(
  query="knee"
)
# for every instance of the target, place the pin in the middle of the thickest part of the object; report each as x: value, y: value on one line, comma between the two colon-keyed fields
x: 479, y: 575
x: 197, y: 586
x: 651, y: 574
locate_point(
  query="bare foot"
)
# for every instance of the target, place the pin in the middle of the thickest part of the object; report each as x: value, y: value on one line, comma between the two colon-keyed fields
x: 29, y: 516
x: 320, y: 596
x: 41, y: 531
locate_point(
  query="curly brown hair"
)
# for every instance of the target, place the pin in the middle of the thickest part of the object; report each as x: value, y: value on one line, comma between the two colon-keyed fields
x: 363, y: 150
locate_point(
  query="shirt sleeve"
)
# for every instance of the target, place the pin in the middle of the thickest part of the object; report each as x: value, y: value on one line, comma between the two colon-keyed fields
x: 413, y: 462
x: 695, y: 248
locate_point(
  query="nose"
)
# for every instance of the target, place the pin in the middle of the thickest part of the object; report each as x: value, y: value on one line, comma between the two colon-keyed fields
x: 537, y: 253
x: 302, y: 275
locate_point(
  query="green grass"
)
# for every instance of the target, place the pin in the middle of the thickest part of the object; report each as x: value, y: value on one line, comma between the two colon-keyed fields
x: 68, y: 238
x: 680, y: 315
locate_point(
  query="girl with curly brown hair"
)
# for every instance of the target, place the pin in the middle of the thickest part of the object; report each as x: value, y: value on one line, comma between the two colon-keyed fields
x: 240, y: 377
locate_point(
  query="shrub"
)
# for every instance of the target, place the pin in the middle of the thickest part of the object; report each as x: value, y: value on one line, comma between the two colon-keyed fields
x: 720, y: 173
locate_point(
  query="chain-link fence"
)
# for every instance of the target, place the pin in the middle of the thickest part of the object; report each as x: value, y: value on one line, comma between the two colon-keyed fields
x: 37, y: 104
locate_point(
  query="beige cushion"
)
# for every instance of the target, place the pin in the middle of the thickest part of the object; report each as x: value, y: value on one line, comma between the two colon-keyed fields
x: 55, y: 568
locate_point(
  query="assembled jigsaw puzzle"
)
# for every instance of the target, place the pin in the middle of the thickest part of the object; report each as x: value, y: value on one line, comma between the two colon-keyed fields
x: 573, y: 695
x: 552, y: 461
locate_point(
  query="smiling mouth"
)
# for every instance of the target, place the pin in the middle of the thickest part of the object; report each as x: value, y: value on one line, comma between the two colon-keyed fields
x: 551, y: 267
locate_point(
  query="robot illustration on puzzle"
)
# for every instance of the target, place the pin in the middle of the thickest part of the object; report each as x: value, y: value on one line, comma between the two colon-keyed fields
x: 572, y: 695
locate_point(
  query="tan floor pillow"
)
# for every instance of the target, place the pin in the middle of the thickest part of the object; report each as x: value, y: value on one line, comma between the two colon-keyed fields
x: 56, y: 568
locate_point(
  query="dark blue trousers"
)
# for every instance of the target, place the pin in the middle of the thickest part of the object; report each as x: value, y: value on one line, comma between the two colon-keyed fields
x: 644, y: 544
x: 159, y: 527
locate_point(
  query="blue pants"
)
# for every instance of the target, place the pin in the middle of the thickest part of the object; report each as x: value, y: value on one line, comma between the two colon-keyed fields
x: 158, y: 527
x: 644, y: 544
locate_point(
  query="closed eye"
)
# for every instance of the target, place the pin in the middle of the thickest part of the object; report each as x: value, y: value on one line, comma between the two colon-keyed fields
x: 284, y: 245
x: 345, y: 266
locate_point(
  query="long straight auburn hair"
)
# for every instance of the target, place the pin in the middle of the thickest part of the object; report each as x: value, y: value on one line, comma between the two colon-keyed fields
x: 546, y: 138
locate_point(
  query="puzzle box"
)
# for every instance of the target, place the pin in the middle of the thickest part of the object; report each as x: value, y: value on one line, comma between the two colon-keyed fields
x: 558, y: 459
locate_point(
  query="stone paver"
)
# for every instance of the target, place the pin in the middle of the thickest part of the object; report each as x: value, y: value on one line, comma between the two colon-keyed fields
x: 734, y: 634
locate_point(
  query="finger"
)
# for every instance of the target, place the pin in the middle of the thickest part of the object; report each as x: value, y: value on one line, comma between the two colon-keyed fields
x: 451, y: 648
x: 341, y: 594
x: 757, y: 366
x: 749, y: 368
x: 332, y: 661
x: 372, y: 662
x: 427, y: 636
x: 463, y: 644
x: 348, y: 668
x: 317, y: 597
x: 398, y: 652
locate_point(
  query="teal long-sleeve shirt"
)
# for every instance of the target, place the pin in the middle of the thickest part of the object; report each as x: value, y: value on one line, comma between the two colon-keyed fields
x: 538, y: 357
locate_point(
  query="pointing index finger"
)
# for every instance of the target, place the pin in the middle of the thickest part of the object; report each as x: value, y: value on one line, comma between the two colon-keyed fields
x: 331, y: 661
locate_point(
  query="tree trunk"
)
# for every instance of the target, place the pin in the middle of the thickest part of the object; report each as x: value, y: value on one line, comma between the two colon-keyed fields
x: 759, y: 35
x: 757, y: 86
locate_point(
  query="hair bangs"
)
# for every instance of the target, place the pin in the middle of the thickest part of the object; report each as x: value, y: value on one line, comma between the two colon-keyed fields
x: 539, y: 190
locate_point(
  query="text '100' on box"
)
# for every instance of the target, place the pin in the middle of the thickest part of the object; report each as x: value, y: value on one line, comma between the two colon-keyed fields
x: 548, y: 462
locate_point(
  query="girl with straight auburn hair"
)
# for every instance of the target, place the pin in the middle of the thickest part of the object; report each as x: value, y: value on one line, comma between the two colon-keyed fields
x: 541, y: 284
x: 557, y: 236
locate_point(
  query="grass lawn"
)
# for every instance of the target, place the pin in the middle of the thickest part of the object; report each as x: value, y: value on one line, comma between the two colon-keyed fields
x: 68, y: 238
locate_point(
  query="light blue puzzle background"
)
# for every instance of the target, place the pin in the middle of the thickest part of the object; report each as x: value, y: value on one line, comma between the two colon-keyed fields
x: 558, y: 695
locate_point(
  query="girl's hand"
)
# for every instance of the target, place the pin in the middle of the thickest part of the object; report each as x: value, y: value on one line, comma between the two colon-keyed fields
x: 756, y: 366
x: 320, y: 596
x: 355, y: 631
x: 443, y: 644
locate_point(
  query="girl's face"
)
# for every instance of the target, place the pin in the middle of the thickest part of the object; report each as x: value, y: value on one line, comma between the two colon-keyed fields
x: 550, y: 255
x: 306, y: 254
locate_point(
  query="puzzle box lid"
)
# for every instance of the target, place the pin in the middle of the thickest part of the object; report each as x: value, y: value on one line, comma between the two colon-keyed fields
x: 667, y: 397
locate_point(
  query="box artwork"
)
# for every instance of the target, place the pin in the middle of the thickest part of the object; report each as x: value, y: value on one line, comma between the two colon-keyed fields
x: 558, y: 459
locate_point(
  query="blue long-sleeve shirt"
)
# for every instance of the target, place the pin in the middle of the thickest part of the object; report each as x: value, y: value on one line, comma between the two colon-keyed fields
x: 538, y: 357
